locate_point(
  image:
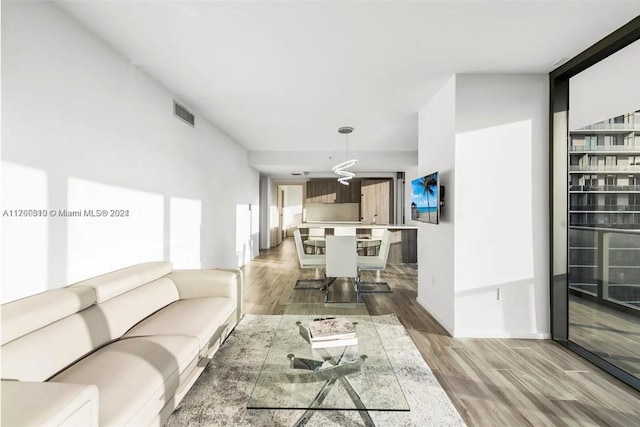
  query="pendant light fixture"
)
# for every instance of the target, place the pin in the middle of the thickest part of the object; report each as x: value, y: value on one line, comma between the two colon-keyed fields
x: 341, y: 169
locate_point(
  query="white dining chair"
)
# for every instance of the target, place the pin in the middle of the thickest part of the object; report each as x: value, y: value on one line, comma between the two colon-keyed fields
x: 376, y: 263
x: 377, y: 233
x: 308, y: 261
x: 316, y: 234
x: 341, y: 261
x: 344, y: 231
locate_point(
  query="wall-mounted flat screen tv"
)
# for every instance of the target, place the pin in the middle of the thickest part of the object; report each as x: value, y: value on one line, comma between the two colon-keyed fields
x: 425, y: 198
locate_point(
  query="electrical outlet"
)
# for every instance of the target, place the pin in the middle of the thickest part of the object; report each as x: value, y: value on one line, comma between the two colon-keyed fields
x: 500, y: 294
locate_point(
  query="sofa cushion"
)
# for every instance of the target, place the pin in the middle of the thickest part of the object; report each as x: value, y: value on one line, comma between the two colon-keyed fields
x: 57, y: 404
x: 124, y: 311
x: 117, y: 282
x: 18, y: 317
x: 135, y: 376
x: 207, y: 283
x: 48, y: 350
x: 69, y: 339
x: 199, y: 317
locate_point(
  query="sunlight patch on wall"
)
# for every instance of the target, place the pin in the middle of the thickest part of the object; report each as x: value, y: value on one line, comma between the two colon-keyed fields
x: 185, y: 223
x: 494, y: 220
x: 25, y: 229
x: 274, y: 222
x: 131, y: 232
x: 292, y: 206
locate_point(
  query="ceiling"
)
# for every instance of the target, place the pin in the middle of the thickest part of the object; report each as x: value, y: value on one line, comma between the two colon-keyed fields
x: 281, y: 77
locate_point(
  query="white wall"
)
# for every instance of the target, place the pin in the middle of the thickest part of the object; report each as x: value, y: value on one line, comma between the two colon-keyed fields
x: 292, y: 206
x: 436, y: 138
x: 82, y: 128
x: 488, y: 136
x: 501, y: 199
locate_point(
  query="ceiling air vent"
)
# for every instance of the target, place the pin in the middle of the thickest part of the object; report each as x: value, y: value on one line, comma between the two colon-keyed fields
x: 183, y: 114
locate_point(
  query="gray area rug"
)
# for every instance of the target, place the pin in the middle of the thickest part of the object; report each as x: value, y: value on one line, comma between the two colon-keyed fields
x: 219, y: 397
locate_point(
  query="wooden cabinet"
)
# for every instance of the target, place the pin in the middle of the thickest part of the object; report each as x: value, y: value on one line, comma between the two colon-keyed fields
x: 404, y: 246
x: 376, y: 200
x: 375, y: 196
x: 331, y: 191
x: 321, y: 191
x: 348, y: 193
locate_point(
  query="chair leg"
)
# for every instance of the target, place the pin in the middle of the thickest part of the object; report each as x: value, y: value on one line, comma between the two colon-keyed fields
x: 308, y: 284
x: 356, y: 287
x: 328, y: 281
x: 372, y: 287
x: 327, y: 284
x: 345, y: 303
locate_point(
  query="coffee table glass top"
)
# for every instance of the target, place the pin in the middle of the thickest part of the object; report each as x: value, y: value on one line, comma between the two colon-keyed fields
x: 295, y: 376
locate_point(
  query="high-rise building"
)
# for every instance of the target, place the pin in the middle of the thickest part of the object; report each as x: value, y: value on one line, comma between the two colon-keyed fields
x: 604, y: 172
x: 604, y: 195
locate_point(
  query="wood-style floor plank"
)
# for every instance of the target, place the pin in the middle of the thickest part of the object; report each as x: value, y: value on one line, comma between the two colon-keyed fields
x: 492, y: 382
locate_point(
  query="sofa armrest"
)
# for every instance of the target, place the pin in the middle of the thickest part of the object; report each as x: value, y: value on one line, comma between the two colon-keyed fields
x: 49, y: 403
x: 209, y: 283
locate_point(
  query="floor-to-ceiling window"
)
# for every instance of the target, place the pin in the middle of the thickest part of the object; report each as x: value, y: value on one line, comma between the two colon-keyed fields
x: 595, y: 218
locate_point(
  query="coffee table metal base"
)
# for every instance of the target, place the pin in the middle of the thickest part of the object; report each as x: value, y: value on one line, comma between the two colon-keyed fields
x: 337, y: 373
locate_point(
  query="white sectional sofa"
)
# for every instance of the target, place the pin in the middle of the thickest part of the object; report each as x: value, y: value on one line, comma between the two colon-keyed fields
x: 118, y: 349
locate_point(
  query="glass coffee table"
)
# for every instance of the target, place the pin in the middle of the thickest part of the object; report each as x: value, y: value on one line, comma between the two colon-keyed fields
x: 295, y: 376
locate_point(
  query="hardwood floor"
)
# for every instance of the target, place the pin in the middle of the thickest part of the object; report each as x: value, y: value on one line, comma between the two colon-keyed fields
x: 492, y: 382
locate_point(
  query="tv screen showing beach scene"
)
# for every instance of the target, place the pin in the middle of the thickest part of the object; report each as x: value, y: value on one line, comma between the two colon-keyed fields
x: 425, y: 198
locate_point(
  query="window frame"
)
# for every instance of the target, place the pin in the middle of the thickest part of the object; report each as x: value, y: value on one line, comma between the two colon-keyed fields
x: 558, y: 172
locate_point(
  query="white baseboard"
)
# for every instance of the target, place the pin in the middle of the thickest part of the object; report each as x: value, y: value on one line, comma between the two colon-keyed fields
x: 447, y: 327
x: 502, y: 334
x: 527, y: 335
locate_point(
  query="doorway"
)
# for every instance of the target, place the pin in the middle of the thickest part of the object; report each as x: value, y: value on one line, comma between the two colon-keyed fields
x: 289, y: 210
